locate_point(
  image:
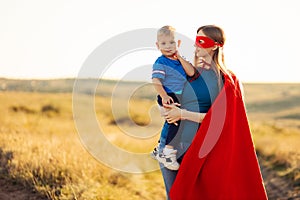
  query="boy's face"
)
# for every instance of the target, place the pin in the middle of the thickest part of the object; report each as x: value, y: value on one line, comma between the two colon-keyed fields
x: 166, y: 44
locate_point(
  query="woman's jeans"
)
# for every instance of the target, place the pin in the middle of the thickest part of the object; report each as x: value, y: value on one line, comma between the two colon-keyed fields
x: 170, y: 175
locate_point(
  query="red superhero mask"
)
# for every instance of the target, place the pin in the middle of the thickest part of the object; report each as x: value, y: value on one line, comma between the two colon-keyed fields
x: 206, y: 42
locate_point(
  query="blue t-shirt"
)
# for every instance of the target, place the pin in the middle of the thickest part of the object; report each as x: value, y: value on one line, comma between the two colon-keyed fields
x: 198, y: 94
x: 171, y: 74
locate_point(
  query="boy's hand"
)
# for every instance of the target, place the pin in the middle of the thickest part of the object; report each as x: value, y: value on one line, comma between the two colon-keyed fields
x: 167, y: 100
x: 177, y: 55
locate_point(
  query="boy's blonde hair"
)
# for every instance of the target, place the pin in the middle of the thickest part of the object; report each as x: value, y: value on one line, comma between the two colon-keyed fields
x: 166, y: 30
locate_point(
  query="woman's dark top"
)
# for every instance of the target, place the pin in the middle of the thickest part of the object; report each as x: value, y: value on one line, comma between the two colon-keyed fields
x: 199, y: 93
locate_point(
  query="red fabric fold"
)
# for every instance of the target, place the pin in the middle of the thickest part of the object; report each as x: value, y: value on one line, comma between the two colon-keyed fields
x: 221, y: 162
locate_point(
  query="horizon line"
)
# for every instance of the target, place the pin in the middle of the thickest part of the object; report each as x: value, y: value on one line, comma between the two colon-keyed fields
x: 131, y: 80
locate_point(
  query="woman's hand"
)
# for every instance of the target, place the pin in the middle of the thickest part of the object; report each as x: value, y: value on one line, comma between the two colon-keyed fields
x: 173, y: 113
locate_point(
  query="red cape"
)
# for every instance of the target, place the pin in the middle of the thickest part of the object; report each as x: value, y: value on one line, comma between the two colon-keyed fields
x: 221, y: 162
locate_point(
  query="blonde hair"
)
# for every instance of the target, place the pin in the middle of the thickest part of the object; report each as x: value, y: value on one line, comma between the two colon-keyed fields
x: 166, y: 30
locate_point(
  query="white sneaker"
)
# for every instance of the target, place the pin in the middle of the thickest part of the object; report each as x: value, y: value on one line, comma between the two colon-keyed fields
x: 154, y: 153
x: 168, y: 159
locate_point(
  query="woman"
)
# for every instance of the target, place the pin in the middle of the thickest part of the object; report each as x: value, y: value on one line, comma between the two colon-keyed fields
x: 218, y: 158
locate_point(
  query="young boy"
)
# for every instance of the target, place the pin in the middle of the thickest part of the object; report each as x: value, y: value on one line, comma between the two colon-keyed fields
x: 168, y: 77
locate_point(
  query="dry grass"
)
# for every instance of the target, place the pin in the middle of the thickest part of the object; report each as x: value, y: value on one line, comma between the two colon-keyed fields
x: 279, y: 149
x: 274, y: 113
x: 40, y: 146
x: 46, y: 152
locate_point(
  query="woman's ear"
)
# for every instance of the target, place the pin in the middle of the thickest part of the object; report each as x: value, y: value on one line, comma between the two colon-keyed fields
x: 178, y: 43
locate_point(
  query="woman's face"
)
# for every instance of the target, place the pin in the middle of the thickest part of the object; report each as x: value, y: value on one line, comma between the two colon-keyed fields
x: 203, y: 52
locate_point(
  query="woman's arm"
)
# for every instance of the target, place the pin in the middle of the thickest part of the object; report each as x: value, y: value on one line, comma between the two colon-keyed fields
x: 192, y: 116
x: 174, y: 114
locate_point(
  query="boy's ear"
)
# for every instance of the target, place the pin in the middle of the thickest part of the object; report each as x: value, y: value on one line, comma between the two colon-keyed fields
x: 178, y: 43
x: 157, y: 45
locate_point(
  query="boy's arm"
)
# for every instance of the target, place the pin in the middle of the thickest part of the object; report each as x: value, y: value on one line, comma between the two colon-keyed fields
x: 161, y: 91
x: 158, y: 75
x: 187, y: 66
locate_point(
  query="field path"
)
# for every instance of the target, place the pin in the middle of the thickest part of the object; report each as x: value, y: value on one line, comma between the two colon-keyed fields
x: 277, y: 187
x: 13, y: 191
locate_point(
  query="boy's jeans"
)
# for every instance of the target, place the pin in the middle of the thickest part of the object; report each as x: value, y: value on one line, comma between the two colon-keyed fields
x: 168, y: 134
x: 163, y: 137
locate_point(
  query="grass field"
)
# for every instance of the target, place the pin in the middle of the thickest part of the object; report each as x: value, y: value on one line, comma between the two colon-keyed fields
x: 40, y: 146
x: 274, y: 114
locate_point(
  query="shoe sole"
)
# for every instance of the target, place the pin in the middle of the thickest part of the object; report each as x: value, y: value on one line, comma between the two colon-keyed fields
x: 167, y: 165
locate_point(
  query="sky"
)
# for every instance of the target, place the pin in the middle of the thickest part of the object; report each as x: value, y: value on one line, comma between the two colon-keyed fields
x: 42, y: 39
